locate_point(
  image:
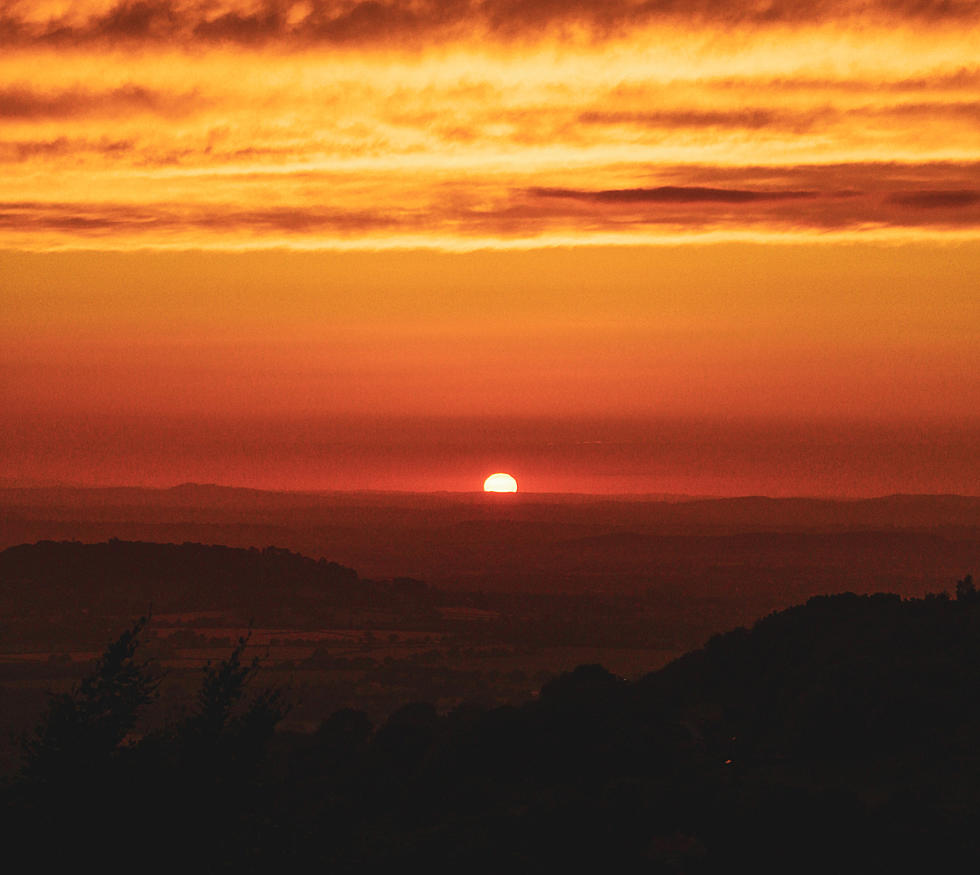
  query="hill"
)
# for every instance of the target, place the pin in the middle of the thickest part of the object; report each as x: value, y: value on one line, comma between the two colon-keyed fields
x: 125, y: 578
x: 839, y: 735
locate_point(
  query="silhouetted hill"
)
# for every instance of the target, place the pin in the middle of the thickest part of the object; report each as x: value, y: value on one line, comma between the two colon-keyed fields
x: 835, y: 736
x: 839, y: 736
x: 841, y: 676
x: 126, y: 577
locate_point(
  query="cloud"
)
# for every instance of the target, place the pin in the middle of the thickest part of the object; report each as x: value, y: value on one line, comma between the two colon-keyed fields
x: 963, y: 78
x: 778, y: 118
x: 875, y: 178
x: 671, y: 194
x: 18, y: 102
x: 324, y: 209
x: 394, y: 21
x: 24, y: 150
x: 141, y: 19
x: 122, y: 218
x: 758, y: 117
x: 235, y: 27
x: 937, y: 198
x: 834, y: 197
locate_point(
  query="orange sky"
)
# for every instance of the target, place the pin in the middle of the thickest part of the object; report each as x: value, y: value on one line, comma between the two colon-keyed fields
x: 227, y: 212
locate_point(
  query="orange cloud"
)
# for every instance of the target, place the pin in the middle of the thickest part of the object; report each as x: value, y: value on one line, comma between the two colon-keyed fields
x: 454, y: 125
x: 769, y: 200
x: 20, y: 103
x: 672, y: 194
x: 937, y: 199
x: 420, y: 21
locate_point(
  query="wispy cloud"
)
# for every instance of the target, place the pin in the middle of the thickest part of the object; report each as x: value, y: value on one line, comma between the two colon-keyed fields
x: 937, y: 199
x: 25, y: 150
x: 462, y: 213
x: 19, y: 102
x: 672, y: 194
x: 443, y: 122
x: 342, y: 22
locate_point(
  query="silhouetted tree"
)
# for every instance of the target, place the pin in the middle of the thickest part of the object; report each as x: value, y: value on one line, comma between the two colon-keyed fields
x: 82, y: 730
x: 225, y: 735
x: 965, y: 590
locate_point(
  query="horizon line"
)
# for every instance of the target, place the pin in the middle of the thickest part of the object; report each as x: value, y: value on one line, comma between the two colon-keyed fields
x: 663, y: 497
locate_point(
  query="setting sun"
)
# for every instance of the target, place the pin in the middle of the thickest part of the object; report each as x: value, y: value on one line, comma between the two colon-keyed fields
x: 500, y: 483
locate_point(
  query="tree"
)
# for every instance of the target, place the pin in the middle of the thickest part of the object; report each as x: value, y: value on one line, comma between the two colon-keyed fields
x: 83, y: 730
x: 965, y: 590
x: 102, y: 792
x: 226, y: 735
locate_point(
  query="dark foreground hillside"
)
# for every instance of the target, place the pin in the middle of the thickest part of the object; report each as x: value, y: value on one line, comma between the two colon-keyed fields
x: 840, y: 736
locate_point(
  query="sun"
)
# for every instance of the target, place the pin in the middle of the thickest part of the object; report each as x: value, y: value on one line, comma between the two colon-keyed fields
x: 500, y: 483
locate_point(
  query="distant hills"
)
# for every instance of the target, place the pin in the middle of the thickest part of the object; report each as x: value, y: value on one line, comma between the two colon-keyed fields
x: 128, y: 577
x: 543, y: 543
x: 889, y: 510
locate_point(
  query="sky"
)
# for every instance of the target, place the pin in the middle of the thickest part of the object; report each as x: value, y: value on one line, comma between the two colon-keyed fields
x: 708, y: 247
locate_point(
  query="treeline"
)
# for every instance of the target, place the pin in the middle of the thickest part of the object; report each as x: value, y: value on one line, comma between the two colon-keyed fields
x: 836, y: 736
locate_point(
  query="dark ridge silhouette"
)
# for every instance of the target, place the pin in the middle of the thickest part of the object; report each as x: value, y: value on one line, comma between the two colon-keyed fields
x: 125, y: 577
x: 839, y: 735
x: 844, y: 676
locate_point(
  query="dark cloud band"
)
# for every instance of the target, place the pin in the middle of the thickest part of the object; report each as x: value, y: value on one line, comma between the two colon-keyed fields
x: 521, y: 214
x: 341, y: 22
x: 672, y: 194
x: 20, y: 103
x: 937, y: 199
